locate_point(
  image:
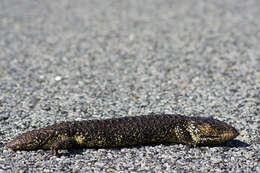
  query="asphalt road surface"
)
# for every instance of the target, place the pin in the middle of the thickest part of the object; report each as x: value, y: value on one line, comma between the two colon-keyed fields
x: 68, y: 60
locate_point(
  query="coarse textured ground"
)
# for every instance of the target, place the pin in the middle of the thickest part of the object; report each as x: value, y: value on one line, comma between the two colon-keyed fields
x: 68, y: 60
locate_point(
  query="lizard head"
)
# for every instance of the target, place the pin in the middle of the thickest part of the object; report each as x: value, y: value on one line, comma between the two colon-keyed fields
x: 209, y: 131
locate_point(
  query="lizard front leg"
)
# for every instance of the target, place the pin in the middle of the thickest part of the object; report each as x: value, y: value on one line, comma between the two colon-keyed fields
x: 184, y: 136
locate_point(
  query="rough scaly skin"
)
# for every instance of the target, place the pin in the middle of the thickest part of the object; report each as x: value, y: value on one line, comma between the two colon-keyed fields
x: 126, y: 131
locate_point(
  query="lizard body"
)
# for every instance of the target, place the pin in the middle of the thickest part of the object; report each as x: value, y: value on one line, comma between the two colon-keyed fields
x: 126, y: 131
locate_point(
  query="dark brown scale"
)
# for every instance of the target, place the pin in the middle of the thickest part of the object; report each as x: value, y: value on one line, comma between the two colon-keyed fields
x: 126, y: 131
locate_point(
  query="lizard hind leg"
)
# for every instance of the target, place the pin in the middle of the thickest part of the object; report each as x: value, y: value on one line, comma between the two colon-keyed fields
x: 63, y: 144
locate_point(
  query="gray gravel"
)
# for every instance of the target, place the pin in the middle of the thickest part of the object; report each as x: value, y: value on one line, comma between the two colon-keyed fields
x: 68, y: 60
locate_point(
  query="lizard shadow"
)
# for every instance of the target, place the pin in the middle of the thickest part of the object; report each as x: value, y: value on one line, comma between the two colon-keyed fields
x: 235, y: 144
x: 231, y: 144
x: 226, y: 146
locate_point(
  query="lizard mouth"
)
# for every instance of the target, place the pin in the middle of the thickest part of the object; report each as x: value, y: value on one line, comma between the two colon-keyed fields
x: 221, y: 138
x: 229, y: 135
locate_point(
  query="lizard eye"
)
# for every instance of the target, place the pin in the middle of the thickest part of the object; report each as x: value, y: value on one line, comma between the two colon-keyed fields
x: 217, y: 129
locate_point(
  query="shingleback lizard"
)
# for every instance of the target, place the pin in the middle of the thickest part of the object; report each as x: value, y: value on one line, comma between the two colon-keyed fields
x: 126, y: 131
